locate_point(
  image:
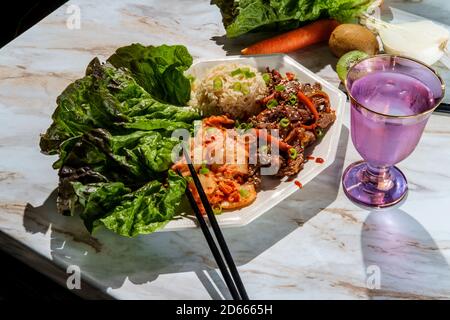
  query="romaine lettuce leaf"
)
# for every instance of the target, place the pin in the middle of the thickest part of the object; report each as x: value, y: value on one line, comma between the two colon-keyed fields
x: 159, y: 70
x: 242, y: 16
x: 113, y: 138
x: 147, y: 209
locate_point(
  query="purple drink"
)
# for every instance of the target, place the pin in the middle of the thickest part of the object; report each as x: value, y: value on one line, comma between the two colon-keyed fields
x: 380, y: 141
x: 392, y: 99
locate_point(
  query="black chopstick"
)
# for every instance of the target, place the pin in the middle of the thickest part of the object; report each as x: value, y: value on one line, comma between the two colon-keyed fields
x: 217, y: 231
x: 444, y: 108
x: 212, y: 245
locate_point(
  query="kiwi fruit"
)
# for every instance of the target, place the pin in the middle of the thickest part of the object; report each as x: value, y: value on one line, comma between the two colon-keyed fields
x: 347, y: 61
x: 348, y: 37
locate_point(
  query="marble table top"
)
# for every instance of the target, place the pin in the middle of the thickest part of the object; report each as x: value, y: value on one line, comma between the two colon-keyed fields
x: 314, y: 245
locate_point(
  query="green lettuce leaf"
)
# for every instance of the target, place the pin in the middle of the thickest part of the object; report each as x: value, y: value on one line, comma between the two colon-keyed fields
x: 114, y: 145
x: 148, y: 209
x: 242, y: 16
x: 159, y: 70
x: 97, y: 199
x: 99, y: 100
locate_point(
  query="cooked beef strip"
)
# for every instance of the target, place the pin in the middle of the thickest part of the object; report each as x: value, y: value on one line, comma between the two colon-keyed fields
x: 297, y: 114
x: 326, y: 119
x: 292, y: 166
x: 254, y: 175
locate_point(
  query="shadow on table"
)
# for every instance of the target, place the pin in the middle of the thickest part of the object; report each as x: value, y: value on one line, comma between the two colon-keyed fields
x: 110, y: 259
x: 404, y: 254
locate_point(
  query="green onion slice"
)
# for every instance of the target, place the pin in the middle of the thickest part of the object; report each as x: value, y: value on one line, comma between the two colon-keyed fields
x: 293, y: 154
x: 272, y: 103
x: 204, y: 170
x: 284, y: 122
x: 244, y: 193
x: 266, y: 78
x: 279, y: 87
x: 249, y: 75
x: 244, y: 89
x: 217, y: 83
x: 293, y: 99
x: 237, y: 86
x: 236, y: 72
x: 217, y: 209
x: 319, y: 133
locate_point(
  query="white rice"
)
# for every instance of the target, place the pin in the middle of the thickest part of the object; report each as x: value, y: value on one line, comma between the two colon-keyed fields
x: 227, y: 98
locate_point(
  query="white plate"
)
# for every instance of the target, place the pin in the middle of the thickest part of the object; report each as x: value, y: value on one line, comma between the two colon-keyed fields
x: 276, y: 190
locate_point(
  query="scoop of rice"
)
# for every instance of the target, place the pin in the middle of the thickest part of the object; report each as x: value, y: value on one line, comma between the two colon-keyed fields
x: 229, y: 88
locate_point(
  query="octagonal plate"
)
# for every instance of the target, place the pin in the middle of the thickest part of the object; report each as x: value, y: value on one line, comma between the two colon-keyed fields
x: 274, y: 190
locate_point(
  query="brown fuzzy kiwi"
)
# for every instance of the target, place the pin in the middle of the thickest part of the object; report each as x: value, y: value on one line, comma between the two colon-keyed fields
x: 349, y: 37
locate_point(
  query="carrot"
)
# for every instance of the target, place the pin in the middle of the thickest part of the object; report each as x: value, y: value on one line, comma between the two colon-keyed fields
x: 315, y: 32
x: 269, y: 139
x: 312, y: 108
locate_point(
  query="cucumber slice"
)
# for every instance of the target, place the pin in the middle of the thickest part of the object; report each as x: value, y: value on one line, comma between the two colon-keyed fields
x: 347, y: 61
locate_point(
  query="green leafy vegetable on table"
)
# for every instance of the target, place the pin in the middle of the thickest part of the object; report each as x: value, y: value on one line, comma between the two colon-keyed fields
x: 243, y: 16
x: 112, y: 131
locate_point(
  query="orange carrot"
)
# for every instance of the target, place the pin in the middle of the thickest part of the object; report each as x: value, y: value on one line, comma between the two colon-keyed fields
x: 269, y: 139
x: 312, y: 108
x: 315, y: 32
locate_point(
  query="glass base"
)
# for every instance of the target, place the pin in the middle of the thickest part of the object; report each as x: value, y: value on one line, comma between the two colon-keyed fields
x: 373, y: 186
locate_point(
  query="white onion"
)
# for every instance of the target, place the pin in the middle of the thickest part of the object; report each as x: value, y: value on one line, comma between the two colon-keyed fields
x: 421, y: 40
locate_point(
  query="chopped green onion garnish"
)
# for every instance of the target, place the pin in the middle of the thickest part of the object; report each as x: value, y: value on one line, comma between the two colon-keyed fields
x: 279, y: 88
x: 266, y: 78
x: 243, y: 127
x: 244, y: 193
x: 293, y: 153
x: 244, y: 89
x: 272, y: 103
x: 293, y: 99
x: 244, y: 71
x: 249, y: 74
x: 284, y: 122
x: 319, y: 133
x: 204, y: 170
x: 236, y: 72
x: 217, y: 83
x: 237, y: 86
x: 217, y: 209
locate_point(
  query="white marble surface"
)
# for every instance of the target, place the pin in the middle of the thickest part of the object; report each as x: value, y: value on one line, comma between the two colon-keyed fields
x: 315, y: 245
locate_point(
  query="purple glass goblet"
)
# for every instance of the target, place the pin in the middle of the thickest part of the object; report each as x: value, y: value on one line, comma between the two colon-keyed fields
x: 392, y: 98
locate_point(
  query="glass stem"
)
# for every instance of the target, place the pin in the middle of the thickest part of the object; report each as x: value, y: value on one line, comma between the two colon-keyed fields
x: 379, y: 176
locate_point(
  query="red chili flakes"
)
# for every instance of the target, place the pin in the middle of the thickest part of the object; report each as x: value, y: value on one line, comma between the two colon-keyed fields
x: 298, y: 184
x: 290, y: 76
x: 320, y: 160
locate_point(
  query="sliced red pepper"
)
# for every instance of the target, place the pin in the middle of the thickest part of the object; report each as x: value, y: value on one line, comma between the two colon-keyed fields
x: 311, y: 107
x: 269, y: 139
